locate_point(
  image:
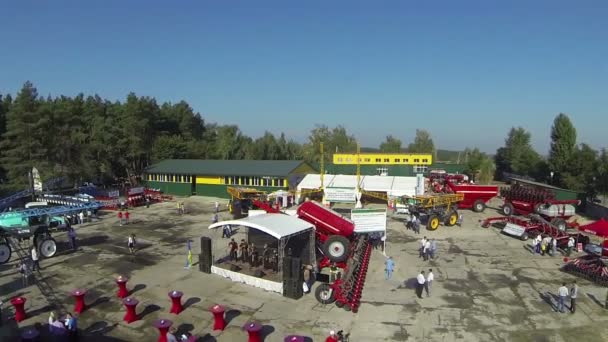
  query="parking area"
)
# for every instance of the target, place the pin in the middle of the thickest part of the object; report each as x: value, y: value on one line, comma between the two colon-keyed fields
x: 488, y: 287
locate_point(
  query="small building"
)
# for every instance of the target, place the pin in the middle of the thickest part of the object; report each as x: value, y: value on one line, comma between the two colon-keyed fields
x: 185, y: 177
x: 392, y: 169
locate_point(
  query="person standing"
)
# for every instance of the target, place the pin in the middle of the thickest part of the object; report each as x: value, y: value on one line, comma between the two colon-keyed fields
x: 217, y: 207
x: 81, y: 217
x: 420, y: 281
x: 390, y: 267
x: 72, y: 237
x: 422, y: 244
x: 233, y: 247
x: 147, y: 201
x: 244, y: 251
x: 562, y: 293
x: 427, y: 250
x: 35, y: 260
x: 120, y: 217
x: 127, y: 215
x: 131, y: 243
x: 429, y: 281
x: 433, y: 248
x: 538, y: 240
x: 553, y: 246
x: 573, y: 296
x: 25, y: 273
x: 171, y: 335
x: 570, y: 245
x: 179, y: 208
x: 71, y: 323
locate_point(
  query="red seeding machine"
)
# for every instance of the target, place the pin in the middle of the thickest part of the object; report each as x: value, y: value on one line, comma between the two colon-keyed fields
x: 590, y: 267
x: 530, y: 227
x: 524, y: 200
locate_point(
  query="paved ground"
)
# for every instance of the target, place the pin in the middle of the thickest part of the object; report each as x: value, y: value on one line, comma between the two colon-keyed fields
x: 488, y: 287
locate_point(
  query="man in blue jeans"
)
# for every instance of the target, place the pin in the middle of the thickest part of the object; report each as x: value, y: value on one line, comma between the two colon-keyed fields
x: 562, y: 293
x: 390, y: 266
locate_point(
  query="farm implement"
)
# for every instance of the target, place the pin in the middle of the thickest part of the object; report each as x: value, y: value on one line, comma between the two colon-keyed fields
x: 591, y: 267
x: 525, y: 200
x: 475, y: 196
x: 346, y: 291
x: 440, y: 208
x: 531, y: 226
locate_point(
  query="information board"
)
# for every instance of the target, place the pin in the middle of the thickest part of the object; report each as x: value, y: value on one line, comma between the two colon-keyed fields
x: 340, y: 195
x: 369, y: 220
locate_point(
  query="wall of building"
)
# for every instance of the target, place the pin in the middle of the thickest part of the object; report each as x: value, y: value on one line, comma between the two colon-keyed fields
x: 170, y: 188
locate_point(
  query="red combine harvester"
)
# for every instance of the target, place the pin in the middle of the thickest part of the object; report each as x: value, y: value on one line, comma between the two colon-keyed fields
x: 339, y: 244
x: 524, y: 200
x: 530, y: 227
x: 475, y: 196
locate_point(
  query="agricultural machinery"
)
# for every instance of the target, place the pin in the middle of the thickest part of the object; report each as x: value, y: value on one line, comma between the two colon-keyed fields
x: 532, y: 226
x: 475, y: 196
x: 437, y: 209
x: 346, y: 291
x: 524, y: 200
x: 594, y: 265
x: 36, y: 223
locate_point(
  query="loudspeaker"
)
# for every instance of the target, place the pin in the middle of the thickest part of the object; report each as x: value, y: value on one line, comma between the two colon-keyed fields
x: 204, y: 263
x: 205, y: 245
x: 293, y: 289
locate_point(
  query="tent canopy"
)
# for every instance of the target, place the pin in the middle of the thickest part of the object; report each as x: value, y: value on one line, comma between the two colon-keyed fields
x: 393, y: 185
x: 277, y: 225
x: 599, y: 228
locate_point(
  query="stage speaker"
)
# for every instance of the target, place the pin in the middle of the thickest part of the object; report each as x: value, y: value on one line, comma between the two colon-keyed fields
x: 292, y: 269
x: 293, y: 289
x: 205, y: 245
x: 204, y: 263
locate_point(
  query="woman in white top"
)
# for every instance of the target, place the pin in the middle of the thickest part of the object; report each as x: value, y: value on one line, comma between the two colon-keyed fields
x: 131, y: 243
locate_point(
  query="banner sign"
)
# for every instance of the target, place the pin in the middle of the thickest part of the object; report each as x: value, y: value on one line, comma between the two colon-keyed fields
x: 341, y: 195
x: 135, y: 191
x: 513, y: 229
x: 114, y: 194
x: 369, y: 220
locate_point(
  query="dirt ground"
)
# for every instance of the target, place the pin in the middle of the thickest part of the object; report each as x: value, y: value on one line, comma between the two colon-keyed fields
x: 488, y: 287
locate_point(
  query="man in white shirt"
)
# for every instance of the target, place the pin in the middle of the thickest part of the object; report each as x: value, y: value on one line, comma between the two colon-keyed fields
x: 35, y: 261
x: 538, y: 239
x: 81, y: 217
x: 570, y: 245
x: 420, y: 281
x: 562, y: 293
x: 429, y: 281
x: 427, y: 250
x: 422, y: 245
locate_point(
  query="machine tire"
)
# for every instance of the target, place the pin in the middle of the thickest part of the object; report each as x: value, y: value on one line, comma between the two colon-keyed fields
x: 47, y: 247
x: 452, y: 218
x: 336, y: 248
x: 524, y: 237
x: 325, y: 294
x: 339, y: 304
x: 507, y: 209
x: 433, y: 222
x: 559, y: 223
x: 5, y: 253
x: 479, y: 206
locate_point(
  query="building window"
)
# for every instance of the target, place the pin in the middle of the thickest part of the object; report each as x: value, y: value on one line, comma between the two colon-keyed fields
x: 339, y: 160
x: 420, y: 169
x: 406, y: 160
x: 397, y: 160
x: 367, y: 160
x: 387, y: 160
x: 382, y: 171
x: 416, y: 160
x: 378, y: 160
x: 425, y: 160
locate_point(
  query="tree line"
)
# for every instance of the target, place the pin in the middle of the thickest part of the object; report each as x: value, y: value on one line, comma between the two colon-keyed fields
x: 88, y: 138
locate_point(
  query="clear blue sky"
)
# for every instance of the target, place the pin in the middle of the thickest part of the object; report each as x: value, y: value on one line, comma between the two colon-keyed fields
x: 465, y: 70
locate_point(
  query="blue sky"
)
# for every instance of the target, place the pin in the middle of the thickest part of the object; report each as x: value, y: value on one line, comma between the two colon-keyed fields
x: 466, y: 71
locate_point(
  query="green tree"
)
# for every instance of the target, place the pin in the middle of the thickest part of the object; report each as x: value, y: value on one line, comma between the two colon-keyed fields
x: 391, y: 145
x: 336, y: 140
x: 170, y: 147
x: 583, y: 168
x: 563, y: 148
x: 487, y: 169
x: 23, y: 145
x: 423, y: 143
x: 601, y: 174
x: 473, y: 161
x: 517, y: 156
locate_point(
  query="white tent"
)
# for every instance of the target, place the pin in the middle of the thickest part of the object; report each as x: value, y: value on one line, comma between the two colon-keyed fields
x: 276, y: 225
x: 394, y: 186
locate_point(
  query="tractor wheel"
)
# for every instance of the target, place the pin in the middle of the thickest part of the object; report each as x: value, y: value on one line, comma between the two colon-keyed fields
x: 336, y: 248
x: 325, y: 294
x: 5, y: 253
x: 507, y: 209
x: 559, y: 223
x: 479, y: 206
x: 452, y: 218
x: 433, y: 223
x: 524, y: 237
x: 47, y: 247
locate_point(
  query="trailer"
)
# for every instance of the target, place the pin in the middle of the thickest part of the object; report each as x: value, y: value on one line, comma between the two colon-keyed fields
x: 475, y: 198
x: 524, y: 200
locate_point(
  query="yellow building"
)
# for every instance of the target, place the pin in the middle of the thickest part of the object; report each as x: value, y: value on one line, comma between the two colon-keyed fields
x: 422, y: 159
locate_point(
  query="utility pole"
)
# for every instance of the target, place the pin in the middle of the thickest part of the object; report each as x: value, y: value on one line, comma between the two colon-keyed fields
x: 30, y: 178
x: 322, y: 167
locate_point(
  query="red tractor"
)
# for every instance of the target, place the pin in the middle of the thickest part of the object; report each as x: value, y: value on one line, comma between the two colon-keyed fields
x: 525, y: 200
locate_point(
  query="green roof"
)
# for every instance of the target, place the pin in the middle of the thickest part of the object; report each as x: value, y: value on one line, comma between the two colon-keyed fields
x: 254, y: 168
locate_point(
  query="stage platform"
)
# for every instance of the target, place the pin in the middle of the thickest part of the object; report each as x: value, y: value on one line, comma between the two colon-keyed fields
x: 244, y: 273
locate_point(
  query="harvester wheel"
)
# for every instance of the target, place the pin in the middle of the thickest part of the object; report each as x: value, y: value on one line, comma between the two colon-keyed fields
x: 433, y: 223
x: 48, y: 247
x: 507, y: 209
x: 479, y: 206
x: 5, y: 253
x: 559, y: 223
x: 325, y: 294
x: 336, y: 248
x: 452, y: 218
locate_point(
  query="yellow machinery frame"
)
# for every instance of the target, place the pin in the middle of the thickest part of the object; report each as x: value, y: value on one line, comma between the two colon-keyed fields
x: 443, y: 200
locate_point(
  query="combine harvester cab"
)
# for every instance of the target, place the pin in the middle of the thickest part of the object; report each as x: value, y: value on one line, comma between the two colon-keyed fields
x: 475, y: 196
